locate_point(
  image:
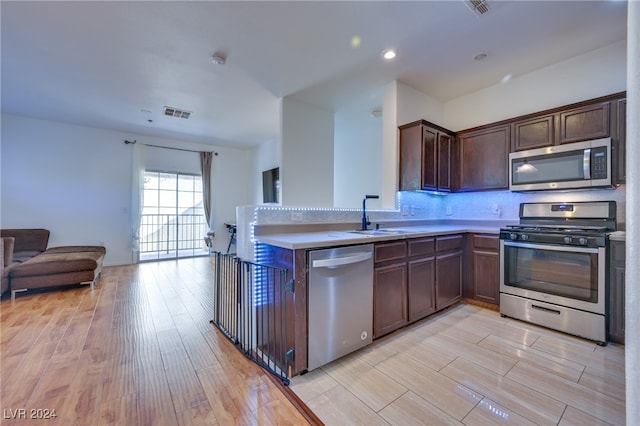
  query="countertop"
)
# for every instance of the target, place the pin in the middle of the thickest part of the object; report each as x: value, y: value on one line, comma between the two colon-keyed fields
x: 320, y: 239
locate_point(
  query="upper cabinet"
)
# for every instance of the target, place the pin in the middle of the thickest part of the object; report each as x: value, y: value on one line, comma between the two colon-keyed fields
x: 585, y: 122
x: 536, y: 132
x: 620, y: 138
x: 483, y: 158
x: 425, y: 157
x: 434, y: 158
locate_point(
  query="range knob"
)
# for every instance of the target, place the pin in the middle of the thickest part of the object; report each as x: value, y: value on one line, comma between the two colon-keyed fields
x: 524, y: 237
x: 583, y: 241
x: 567, y: 240
x: 513, y: 236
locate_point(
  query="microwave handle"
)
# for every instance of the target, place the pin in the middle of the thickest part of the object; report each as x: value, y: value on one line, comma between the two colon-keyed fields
x: 586, y: 163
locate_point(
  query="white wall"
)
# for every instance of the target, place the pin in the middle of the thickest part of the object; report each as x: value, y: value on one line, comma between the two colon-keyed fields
x: 597, y: 73
x: 358, y: 152
x: 306, y: 175
x: 75, y: 181
x: 414, y: 105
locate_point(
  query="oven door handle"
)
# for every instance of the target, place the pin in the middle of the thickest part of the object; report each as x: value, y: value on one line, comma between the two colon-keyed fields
x: 566, y: 248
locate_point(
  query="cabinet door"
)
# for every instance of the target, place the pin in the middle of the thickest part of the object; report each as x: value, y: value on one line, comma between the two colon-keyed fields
x: 445, y: 158
x: 584, y: 123
x: 411, y: 158
x: 429, y: 158
x: 616, y: 292
x: 534, y: 133
x: 422, y: 297
x: 485, y: 275
x: 621, y: 140
x: 448, y: 279
x: 389, y: 298
x: 484, y: 157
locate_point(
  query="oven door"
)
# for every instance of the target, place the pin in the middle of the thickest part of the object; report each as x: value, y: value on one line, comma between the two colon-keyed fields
x: 562, y: 275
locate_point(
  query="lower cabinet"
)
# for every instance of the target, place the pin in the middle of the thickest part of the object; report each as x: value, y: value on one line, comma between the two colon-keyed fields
x: 415, y: 278
x: 421, y: 278
x: 483, y: 273
x: 448, y: 270
x: 390, y: 298
x: 389, y: 287
x: 616, y: 297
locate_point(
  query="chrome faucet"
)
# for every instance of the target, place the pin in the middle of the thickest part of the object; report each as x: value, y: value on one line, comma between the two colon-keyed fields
x: 365, y: 219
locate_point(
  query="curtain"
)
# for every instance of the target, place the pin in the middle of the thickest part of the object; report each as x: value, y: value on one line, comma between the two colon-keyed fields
x: 206, y: 161
x: 137, y: 198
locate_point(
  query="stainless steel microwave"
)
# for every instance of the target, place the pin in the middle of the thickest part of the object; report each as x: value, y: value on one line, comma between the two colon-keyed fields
x: 576, y: 165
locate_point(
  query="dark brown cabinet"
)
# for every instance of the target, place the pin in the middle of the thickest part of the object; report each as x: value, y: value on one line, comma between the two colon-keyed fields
x: 616, y: 296
x: 620, y: 139
x: 585, y: 122
x: 389, y: 287
x: 425, y: 157
x: 483, y: 278
x: 415, y: 278
x: 535, y: 132
x: 449, y: 258
x: 483, y: 158
x: 421, y: 279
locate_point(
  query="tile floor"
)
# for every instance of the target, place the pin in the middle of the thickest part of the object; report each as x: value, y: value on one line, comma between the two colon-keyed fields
x: 468, y: 365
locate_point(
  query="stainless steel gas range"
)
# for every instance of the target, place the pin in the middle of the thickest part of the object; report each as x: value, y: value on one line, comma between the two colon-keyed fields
x: 553, y: 266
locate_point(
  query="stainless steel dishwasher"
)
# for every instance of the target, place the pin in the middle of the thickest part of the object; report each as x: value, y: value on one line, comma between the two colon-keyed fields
x: 340, y: 302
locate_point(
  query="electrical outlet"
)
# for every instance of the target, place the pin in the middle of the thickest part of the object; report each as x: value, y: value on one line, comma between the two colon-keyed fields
x: 448, y: 211
x: 296, y: 216
x: 405, y: 210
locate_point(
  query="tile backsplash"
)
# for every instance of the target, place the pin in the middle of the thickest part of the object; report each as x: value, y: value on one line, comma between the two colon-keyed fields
x: 487, y: 205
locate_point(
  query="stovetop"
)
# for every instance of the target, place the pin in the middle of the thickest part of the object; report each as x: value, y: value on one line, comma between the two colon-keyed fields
x: 586, y: 224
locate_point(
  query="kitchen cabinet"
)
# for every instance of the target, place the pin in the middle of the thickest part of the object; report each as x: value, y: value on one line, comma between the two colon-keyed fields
x: 415, y: 278
x: 421, y: 278
x: 620, y: 139
x: 616, y: 296
x: 483, y: 158
x: 585, y: 122
x: 483, y: 278
x: 449, y: 257
x: 389, y: 287
x: 534, y: 132
x: 425, y: 157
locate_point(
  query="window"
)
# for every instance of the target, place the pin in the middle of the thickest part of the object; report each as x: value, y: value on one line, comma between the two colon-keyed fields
x: 173, y: 224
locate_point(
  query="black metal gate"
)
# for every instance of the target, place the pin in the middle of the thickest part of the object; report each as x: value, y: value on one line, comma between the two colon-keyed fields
x: 250, y: 308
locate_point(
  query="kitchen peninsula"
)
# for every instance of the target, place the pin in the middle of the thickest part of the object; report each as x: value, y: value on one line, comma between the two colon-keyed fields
x: 419, y: 267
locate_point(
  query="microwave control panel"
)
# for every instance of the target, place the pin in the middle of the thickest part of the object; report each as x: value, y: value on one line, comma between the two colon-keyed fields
x: 599, y: 163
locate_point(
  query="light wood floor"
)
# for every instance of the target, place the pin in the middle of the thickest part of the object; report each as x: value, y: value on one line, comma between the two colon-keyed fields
x: 470, y: 366
x: 139, y: 349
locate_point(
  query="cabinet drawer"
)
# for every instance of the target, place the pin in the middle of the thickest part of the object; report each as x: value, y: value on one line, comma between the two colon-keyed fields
x: 390, y: 251
x: 421, y: 247
x: 487, y: 242
x: 453, y: 242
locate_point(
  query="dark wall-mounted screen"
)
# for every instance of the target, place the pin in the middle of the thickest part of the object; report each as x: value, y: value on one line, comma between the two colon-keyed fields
x: 270, y: 184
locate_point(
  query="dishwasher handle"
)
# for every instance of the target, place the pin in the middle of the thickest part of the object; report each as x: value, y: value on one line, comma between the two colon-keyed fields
x: 340, y: 261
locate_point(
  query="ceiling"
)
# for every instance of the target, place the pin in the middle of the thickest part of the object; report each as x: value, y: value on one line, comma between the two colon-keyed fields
x: 116, y: 64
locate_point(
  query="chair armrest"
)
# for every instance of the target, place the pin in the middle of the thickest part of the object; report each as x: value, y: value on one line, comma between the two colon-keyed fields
x: 7, y: 246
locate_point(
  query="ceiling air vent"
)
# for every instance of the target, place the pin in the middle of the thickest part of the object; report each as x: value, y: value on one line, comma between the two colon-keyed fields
x: 175, y: 112
x: 480, y: 7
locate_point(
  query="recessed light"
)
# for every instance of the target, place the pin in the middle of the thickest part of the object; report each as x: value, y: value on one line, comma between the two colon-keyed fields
x: 389, y: 54
x: 218, y: 58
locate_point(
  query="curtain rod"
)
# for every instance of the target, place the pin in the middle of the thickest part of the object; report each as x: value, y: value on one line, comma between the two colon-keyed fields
x: 133, y: 142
